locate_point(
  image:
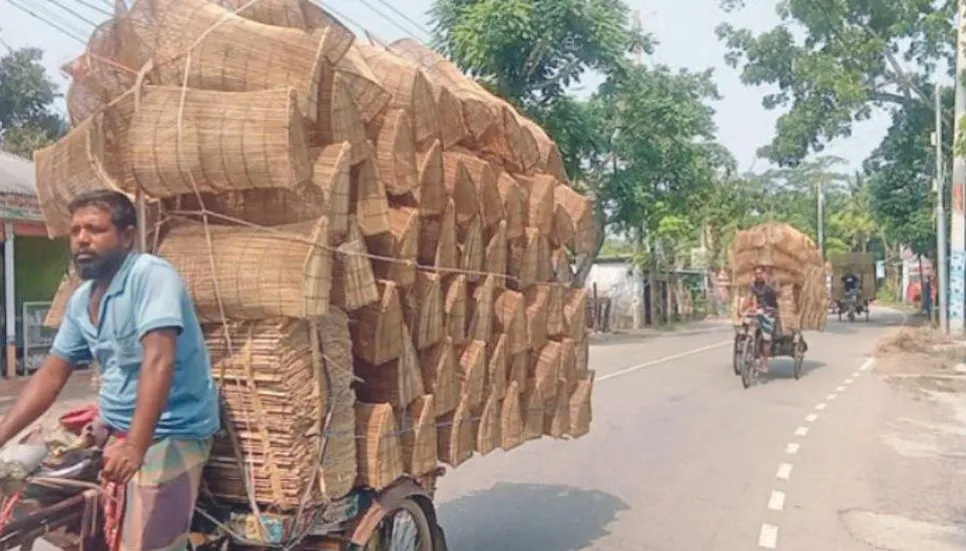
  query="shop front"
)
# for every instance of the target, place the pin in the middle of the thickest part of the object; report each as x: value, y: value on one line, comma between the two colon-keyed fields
x: 32, y: 267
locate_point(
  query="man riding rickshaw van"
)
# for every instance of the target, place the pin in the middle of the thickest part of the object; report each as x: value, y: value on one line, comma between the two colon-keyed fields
x: 762, y: 302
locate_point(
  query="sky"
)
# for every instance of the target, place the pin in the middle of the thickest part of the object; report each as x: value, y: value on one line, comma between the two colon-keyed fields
x: 684, y: 30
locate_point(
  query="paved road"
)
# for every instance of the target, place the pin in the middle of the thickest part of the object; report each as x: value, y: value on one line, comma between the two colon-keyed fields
x: 681, y: 457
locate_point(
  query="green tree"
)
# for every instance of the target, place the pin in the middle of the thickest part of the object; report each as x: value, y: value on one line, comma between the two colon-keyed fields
x: 855, y: 56
x: 27, y: 94
x: 531, y: 51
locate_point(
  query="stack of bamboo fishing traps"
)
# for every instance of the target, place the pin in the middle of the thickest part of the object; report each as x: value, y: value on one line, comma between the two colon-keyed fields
x: 378, y: 247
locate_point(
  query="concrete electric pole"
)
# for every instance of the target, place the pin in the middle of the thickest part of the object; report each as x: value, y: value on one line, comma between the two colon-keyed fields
x: 941, y: 270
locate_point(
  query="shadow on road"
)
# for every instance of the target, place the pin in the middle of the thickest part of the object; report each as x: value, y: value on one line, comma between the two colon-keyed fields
x: 783, y: 368
x: 528, y: 517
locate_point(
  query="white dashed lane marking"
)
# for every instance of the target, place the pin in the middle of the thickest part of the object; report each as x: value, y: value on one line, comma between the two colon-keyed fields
x: 810, y: 418
x: 801, y: 431
x: 784, y: 471
x: 768, y: 536
x: 792, y: 448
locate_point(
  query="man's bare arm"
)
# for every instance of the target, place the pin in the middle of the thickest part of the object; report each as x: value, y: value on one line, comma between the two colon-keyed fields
x: 154, y: 386
x: 41, y: 392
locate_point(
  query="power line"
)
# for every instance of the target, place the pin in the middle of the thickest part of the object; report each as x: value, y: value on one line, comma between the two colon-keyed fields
x: 33, y: 14
x: 418, y: 26
x: 57, y: 17
x: 395, y: 23
x: 72, y: 12
x: 95, y: 8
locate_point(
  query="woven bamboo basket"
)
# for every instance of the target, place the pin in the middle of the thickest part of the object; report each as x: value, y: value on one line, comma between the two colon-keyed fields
x: 460, y: 187
x: 549, y: 159
x: 367, y: 198
x: 528, y: 258
x: 425, y: 310
x: 455, y: 309
x: 401, y: 244
x: 581, y: 414
x: 581, y: 213
x: 455, y: 438
x: 568, y: 364
x: 277, y: 394
x: 370, y: 97
x: 471, y: 249
x: 563, y: 271
x: 71, y: 166
x: 377, y: 335
x: 534, y: 409
x: 438, y: 366
x: 396, y: 154
x: 563, y: 233
x: 556, y: 420
x: 224, y: 141
x: 496, y: 369
x: 58, y: 306
x: 545, y: 369
x: 538, y: 302
x: 106, y: 70
x: 812, y: 300
x: 486, y: 425
x: 496, y: 254
x: 379, y: 450
x: 583, y: 355
x: 253, y: 274
x: 205, y: 46
x: 508, y: 139
x: 514, y: 205
x: 556, y: 320
x: 397, y: 382
x: 519, y: 371
x: 510, y: 314
x: 341, y: 121
x: 298, y: 14
x: 431, y: 192
x: 540, y: 190
x: 353, y: 282
x: 339, y: 466
x: 511, y: 418
x: 410, y: 90
x: 477, y: 115
x: 575, y: 313
x: 452, y: 125
x: 472, y: 372
x: 437, y: 241
x: 481, y: 310
x: 418, y: 427
x: 261, y: 207
x: 484, y: 178
x: 330, y: 173
x: 789, y: 315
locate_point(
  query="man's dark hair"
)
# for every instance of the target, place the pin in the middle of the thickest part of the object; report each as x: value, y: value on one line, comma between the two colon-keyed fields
x: 120, y: 207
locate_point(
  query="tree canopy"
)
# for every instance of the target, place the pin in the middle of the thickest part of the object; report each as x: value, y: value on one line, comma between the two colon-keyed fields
x: 27, y: 93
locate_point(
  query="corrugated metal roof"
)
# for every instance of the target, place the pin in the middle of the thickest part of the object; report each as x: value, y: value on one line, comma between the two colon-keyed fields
x: 17, y: 175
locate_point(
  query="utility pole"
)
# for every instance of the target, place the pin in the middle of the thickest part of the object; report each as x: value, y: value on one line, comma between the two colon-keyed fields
x: 957, y: 241
x: 821, y: 215
x: 638, y: 304
x: 941, y: 269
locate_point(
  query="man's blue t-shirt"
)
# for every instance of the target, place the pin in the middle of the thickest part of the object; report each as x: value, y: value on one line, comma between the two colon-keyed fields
x: 146, y: 294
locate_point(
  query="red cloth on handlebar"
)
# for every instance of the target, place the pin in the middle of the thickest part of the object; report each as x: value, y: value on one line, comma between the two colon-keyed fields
x: 76, y: 420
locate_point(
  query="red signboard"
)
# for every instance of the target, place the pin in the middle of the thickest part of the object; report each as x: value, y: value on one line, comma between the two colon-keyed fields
x: 20, y: 207
x: 958, y: 197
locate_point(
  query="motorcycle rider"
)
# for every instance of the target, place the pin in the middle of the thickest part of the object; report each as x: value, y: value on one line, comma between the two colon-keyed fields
x: 763, y: 301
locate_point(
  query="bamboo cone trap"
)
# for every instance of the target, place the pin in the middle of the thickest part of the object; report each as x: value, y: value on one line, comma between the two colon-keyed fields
x: 472, y: 372
x: 534, y: 410
x: 582, y: 360
x: 431, y: 191
x: 568, y: 364
x: 530, y: 259
x: 371, y: 99
x: 514, y: 205
x: 339, y: 461
x: 510, y: 310
x: 471, y: 250
x: 396, y: 154
x: 581, y: 213
x: 401, y: 245
x: 439, y: 375
x: 549, y: 160
x: 564, y: 234
x: 455, y: 309
x: 353, y: 282
x: 546, y: 369
x: 234, y: 54
x: 105, y: 71
x: 496, y: 254
x: 487, y: 426
x: 496, y: 371
x: 452, y: 125
x: 331, y: 174
x: 380, y: 451
x: 556, y: 421
x: 219, y: 141
x: 455, y: 441
x: 342, y: 122
x: 562, y: 270
x: 367, y: 199
x: 538, y: 301
x: 511, y: 419
x: 299, y: 14
x: 556, y: 319
x: 377, y: 336
x: 540, y: 213
x: 410, y: 89
x: 460, y: 187
x: 481, y: 310
x: 257, y: 274
x: 419, y: 446
x: 580, y: 409
x: 520, y: 371
x: 487, y: 191
x: 575, y: 312
x: 426, y: 310
x: 397, y: 382
x: 437, y: 241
